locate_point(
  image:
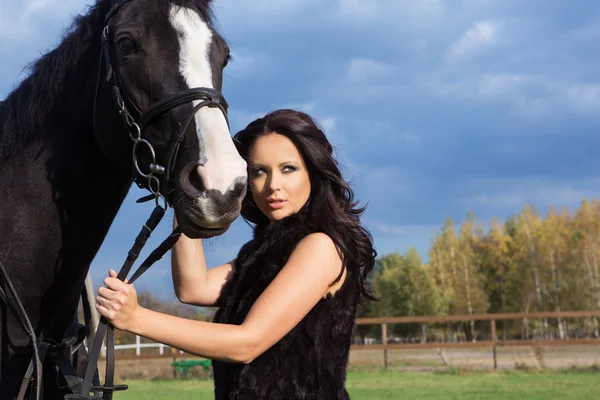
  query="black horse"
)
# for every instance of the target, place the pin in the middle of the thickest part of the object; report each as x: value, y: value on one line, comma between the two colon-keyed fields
x: 131, y: 93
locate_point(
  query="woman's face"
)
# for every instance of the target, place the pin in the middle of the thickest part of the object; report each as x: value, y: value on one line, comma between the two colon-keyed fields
x: 277, y: 175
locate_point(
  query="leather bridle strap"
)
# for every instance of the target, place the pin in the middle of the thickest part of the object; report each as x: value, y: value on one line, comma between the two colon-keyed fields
x: 215, y: 99
x: 12, y: 301
x: 133, y: 254
x: 210, y: 98
x: 59, y: 353
x: 113, y: 10
x: 157, y: 254
x: 104, y: 327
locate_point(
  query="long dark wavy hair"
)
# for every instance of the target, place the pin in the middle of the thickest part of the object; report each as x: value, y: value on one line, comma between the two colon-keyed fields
x: 331, y: 200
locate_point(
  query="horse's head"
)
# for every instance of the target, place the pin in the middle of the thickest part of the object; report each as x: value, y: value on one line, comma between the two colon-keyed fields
x: 167, y: 60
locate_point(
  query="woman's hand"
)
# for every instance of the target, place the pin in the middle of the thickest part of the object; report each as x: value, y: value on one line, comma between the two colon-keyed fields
x: 118, y: 302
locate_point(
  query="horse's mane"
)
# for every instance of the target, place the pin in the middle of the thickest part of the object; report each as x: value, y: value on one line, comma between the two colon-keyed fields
x: 25, y: 111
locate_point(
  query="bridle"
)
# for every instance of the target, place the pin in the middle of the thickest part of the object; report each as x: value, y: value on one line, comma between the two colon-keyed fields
x: 207, y: 97
x: 144, y: 178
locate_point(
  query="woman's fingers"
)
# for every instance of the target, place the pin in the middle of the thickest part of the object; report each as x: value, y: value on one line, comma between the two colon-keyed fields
x: 106, y: 304
x: 116, y: 284
x: 100, y: 301
x: 105, y: 312
x: 116, y: 292
x: 112, y: 299
x: 117, y: 301
x: 108, y: 294
x: 113, y: 274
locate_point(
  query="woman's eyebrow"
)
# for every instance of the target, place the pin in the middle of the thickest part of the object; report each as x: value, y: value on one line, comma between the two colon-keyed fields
x: 289, y: 162
x: 255, y: 165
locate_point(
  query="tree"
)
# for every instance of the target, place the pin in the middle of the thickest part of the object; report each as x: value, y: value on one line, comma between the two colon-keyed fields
x: 500, y: 275
x: 585, y: 255
x: 469, y: 283
x: 442, y: 265
x: 526, y: 264
x: 405, y: 288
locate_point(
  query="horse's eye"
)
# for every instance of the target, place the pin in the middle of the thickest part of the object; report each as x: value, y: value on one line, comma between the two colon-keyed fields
x: 126, y: 45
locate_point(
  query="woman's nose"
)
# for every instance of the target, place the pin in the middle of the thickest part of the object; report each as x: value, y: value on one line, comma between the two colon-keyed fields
x: 274, y: 182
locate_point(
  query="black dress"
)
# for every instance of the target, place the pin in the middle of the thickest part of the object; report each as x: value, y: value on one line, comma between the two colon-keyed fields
x: 310, y: 361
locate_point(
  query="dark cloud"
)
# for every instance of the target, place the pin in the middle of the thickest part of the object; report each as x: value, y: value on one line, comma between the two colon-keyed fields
x: 435, y: 107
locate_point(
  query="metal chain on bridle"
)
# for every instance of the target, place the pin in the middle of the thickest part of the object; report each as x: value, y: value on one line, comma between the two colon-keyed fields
x: 145, y: 178
x: 135, y: 134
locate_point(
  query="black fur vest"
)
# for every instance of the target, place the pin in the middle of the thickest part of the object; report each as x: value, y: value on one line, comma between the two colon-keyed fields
x: 310, y: 361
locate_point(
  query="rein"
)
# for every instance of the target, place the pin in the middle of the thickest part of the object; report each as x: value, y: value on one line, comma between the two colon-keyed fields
x: 81, y: 388
x: 104, y: 328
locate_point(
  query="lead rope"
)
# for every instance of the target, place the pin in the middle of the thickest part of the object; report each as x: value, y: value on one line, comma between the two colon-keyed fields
x: 104, y: 328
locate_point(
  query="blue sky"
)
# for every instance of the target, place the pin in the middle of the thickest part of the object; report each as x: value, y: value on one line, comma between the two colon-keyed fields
x: 435, y: 107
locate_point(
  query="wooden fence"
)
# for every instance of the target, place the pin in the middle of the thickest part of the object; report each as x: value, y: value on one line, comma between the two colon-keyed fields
x: 494, y: 343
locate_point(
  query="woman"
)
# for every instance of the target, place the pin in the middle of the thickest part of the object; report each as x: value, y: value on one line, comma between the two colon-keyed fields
x: 287, y: 303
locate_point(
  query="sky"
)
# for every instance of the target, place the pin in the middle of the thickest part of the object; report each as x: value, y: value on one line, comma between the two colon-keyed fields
x: 435, y: 107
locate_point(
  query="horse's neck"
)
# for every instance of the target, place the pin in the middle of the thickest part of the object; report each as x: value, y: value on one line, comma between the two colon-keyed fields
x: 59, y: 196
x: 61, y: 148
x: 56, y: 212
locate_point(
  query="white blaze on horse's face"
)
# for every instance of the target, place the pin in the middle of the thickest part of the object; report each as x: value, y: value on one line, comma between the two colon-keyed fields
x: 221, y: 163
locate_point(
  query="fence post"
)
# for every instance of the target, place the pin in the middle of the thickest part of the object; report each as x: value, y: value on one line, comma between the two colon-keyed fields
x: 384, y: 341
x: 174, y: 355
x: 493, y: 331
x: 137, y: 345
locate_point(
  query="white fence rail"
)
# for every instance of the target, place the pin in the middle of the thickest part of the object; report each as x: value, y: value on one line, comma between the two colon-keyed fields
x: 138, y: 346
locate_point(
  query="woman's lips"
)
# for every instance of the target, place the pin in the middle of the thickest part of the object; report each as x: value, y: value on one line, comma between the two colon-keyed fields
x: 276, y: 204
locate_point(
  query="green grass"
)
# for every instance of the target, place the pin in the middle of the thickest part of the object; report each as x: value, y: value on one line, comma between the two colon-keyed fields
x: 513, y: 385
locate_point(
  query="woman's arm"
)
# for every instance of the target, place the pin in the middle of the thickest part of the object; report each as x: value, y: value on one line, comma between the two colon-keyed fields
x: 303, y: 281
x: 193, y: 283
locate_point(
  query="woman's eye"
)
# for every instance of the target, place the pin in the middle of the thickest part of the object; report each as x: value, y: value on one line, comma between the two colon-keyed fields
x: 289, y: 168
x: 126, y: 45
x: 256, y: 172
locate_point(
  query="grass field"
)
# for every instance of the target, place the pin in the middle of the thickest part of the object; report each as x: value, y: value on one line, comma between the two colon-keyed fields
x: 504, y: 385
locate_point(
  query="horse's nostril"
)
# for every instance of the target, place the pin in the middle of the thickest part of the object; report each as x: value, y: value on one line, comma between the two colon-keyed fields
x: 238, y: 188
x: 196, y: 180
